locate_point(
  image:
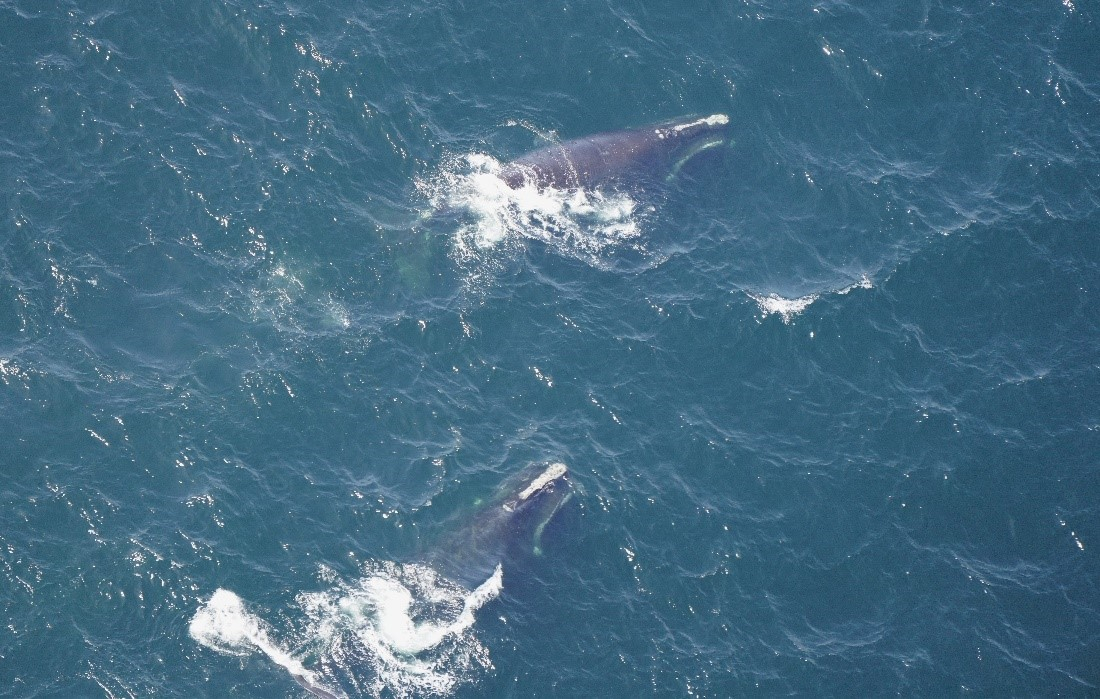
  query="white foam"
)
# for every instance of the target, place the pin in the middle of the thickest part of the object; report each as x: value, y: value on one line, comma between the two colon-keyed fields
x: 789, y: 308
x: 392, y: 602
x: 786, y: 308
x: 223, y: 624
x: 409, y: 626
x: 399, y: 630
x: 492, y: 217
x: 863, y: 283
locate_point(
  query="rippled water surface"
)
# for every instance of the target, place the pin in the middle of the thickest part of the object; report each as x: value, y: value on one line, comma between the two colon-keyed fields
x: 273, y: 330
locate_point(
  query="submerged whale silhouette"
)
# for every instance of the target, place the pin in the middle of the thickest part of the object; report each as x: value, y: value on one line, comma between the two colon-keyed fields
x: 596, y: 159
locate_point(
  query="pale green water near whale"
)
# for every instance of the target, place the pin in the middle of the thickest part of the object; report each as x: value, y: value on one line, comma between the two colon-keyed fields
x: 827, y: 397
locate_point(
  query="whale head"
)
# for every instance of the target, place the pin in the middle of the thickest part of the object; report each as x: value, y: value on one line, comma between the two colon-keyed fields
x: 688, y: 138
x: 506, y: 530
x: 539, y: 497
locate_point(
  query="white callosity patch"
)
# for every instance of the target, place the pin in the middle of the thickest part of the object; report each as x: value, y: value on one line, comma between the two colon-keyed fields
x: 552, y: 473
x: 712, y: 120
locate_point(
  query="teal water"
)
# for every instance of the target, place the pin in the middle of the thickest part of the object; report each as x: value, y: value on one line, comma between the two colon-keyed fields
x: 828, y: 398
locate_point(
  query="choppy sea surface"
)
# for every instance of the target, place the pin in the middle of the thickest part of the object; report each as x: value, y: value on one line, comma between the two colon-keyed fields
x: 271, y: 328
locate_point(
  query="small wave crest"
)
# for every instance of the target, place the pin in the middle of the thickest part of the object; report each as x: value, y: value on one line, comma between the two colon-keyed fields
x: 399, y: 630
x: 591, y: 225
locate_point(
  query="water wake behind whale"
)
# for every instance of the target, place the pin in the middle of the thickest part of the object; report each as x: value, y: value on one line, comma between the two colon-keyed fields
x: 400, y: 629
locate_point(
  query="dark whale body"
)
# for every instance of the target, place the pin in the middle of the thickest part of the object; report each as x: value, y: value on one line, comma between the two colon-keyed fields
x: 596, y: 159
x: 510, y: 525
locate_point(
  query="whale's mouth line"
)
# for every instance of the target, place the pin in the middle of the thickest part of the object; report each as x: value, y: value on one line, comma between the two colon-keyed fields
x: 537, y: 540
x: 692, y: 152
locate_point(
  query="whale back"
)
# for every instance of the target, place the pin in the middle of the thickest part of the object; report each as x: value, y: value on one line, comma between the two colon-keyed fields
x: 593, y: 160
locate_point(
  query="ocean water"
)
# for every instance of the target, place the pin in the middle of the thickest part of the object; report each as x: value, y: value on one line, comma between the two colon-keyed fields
x: 271, y: 329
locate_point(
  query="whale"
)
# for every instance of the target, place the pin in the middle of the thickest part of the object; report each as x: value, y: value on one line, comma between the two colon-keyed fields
x: 493, y: 537
x: 618, y: 155
x: 479, y: 199
x: 505, y: 530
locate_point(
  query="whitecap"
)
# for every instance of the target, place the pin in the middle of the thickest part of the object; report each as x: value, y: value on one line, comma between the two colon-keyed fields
x: 408, y: 626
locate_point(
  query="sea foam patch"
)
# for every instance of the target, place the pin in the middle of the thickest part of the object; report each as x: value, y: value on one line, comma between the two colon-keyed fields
x: 491, y: 218
x: 785, y: 308
x: 399, y: 630
x: 223, y: 624
x: 789, y: 308
x: 409, y: 626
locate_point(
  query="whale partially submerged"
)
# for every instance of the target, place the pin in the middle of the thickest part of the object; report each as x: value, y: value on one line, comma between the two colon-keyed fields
x: 594, y: 160
x: 508, y: 527
x: 475, y: 554
x: 586, y: 196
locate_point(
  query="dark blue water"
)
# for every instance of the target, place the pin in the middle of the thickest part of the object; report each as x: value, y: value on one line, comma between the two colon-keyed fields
x: 828, y: 398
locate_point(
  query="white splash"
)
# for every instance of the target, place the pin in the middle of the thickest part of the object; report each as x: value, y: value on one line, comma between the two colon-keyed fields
x: 786, y: 308
x: 223, y: 624
x: 399, y: 630
x: 392, y: 604
x: 492, y: 217
x: 409, y: 625
x: 863, y: 283
x: 789, y: 308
